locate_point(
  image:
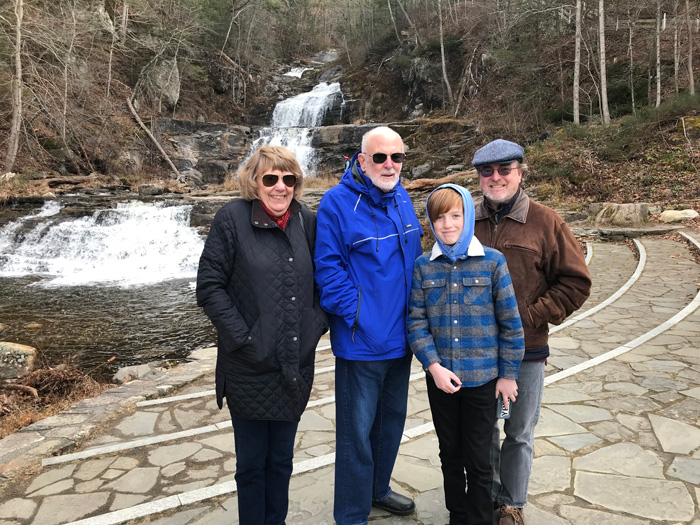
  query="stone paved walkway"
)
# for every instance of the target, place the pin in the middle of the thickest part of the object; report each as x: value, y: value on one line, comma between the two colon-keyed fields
x: 618, y: 441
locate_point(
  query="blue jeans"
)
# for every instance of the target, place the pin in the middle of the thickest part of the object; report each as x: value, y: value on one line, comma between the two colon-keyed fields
x: 264, y: 453
x: 371, y: 399
x: 512, y: 461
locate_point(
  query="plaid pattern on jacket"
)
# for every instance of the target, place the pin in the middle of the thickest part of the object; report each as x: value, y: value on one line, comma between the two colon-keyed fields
x: 465, y: 316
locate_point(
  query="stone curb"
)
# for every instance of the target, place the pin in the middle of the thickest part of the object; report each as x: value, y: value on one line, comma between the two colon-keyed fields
x: 24, y: 450
x: 617, y: 234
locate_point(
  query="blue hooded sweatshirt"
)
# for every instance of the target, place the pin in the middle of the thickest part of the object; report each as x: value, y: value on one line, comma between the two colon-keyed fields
x: 459, y: 249
x: 366, y: 243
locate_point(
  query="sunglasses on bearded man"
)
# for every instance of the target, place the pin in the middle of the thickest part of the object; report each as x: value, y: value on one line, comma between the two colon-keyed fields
x: 380, y: 158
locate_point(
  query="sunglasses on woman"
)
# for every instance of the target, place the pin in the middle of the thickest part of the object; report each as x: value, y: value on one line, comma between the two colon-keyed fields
x: 380, y: 158
x: 270, y: 180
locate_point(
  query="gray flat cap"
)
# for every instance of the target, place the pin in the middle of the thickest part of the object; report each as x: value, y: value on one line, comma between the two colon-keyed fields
x: 498, y: 152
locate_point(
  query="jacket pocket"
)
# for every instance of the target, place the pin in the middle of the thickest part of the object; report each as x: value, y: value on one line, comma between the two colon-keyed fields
x: 434, y: 291
x: 258, y: 354
x: 477, y: 290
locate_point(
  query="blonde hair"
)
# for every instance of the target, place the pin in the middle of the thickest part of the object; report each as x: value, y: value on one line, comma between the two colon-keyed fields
x: 441, y: 201
x: 265, y: 159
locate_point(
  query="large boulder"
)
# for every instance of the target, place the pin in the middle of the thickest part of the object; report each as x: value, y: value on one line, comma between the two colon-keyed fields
x: 159, y: 84
x: 622, y: 215
x: 15, y: 359
x: 678, y: 215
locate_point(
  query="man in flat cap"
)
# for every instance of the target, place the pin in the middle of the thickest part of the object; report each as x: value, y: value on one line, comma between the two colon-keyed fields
x: 551, y: 281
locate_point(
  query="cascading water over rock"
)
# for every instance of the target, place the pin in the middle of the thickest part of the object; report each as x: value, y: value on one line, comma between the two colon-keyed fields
x: 134, y: 244
x: 294, y: 120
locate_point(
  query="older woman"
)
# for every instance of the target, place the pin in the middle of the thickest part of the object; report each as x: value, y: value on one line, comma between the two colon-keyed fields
x: 255, y: 283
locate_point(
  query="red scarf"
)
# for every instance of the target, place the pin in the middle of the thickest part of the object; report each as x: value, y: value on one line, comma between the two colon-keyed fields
x: 282, y: 221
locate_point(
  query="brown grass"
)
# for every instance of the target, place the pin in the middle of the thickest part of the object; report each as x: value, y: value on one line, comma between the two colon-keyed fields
x: 57, y: 389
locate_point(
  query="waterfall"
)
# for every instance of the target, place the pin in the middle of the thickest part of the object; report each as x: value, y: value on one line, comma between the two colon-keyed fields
x: 135, y: 244
x: 297, y: 72
x: 294, y: 120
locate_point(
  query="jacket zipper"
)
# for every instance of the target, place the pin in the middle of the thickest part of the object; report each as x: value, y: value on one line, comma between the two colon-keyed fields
x: 357, y: 314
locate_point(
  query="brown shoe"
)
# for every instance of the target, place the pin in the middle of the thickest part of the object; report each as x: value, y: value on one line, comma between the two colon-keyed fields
x: 511, y: 516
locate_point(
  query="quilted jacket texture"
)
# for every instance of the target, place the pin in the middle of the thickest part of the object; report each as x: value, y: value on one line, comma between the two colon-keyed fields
x: 366, y: 245
x: 255, y: 283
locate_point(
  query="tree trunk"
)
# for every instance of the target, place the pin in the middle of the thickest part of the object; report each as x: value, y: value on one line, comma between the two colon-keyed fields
x: 410, y: 23
x: 603, y: 76
x: 450, y: 97
x: 691, y: 78
x: 125, y: 16
x: 577, y: 64
x: 66, y: 67
x: 153, y: 139
x: 676, y: 50
x: 630, y: 51
x: 13, y: 140
x: 393, y: 21
x: 658, y: 53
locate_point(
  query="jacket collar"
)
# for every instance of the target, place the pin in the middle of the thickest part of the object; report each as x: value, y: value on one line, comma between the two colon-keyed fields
x: 476, y: 249
x: 518, y: 212
x: 260, y: 219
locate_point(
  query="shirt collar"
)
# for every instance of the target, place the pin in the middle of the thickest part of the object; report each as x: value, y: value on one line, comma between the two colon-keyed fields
x: 475, y: 250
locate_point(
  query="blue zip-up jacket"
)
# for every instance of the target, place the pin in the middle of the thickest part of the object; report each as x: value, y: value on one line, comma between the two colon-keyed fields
x: 366, y: 243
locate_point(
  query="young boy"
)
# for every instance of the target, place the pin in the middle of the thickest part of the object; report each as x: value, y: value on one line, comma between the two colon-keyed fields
x: 465, y: 329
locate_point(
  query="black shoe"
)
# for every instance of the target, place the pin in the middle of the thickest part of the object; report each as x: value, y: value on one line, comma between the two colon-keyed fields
x: 396, y: 504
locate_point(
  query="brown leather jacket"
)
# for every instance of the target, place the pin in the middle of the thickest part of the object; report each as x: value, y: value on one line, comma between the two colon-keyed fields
x: 548, y: 270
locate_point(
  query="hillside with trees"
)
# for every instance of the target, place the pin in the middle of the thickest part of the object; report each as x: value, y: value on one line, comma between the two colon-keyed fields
x: 610, y: 85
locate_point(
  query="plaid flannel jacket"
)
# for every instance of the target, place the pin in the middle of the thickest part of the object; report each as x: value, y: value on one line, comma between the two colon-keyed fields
x: 465, y: 317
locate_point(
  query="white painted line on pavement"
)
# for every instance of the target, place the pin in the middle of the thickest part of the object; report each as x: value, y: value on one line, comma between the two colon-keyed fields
x: 319, y: 402
x: 183, y: 397
x: 689, y: 309
x: 116, y: 447
x: 192, y: 496
x: 128, y: 445
x: 137, y: 511
x: 206, y: 393
x: 589, y: 253
x: 414, y: 432
x: 614, y: 297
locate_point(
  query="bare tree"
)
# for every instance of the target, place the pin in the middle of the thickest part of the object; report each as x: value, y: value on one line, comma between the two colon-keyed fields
x: 450, y: 97
x: 676, y: 49
x: 603, y: 77
x: 577, y: 63
x: 13, y: 142
x: 658, y: 53
x: 691, y: 78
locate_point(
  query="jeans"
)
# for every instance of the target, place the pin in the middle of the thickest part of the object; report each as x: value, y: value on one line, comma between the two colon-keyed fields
x: 463, y: 423
x: 264, y: 452
x: 512, y: 461
x: 371, y: 398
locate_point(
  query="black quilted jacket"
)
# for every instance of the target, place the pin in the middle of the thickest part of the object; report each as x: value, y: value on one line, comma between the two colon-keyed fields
x: 255, y: 282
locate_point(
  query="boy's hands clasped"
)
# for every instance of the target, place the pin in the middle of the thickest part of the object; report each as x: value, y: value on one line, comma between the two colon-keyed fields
x: 509, y: 389
x: 444, y: 378
x: 448, y: 382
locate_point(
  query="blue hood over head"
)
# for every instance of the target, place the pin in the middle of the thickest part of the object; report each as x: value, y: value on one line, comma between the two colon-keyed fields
x: 459, y: 249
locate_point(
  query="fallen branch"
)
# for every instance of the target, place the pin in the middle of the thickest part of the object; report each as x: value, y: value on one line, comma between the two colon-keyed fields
x: 235, y: 66
x: 150, y: 135
x: 21, y: 388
